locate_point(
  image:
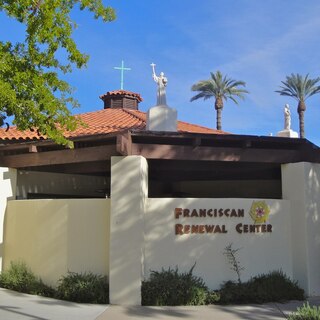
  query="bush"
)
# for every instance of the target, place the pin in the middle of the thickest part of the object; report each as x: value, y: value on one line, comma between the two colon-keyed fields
x: 306, y: 313
x: 272, y: 287
x: 20, y: 278
x: 172, y: 288
x: 83, y: 287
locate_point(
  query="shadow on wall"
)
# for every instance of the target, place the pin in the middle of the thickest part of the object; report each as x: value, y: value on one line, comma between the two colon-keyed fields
x: 8, y: 181
x: 313, y: 225
x: 57, y: 236
x: 164, y: 248
x: 47, y: 183
x: 1, y: 255
x: 12, y: 181
x: 128, y: 192
x: 313, y: 190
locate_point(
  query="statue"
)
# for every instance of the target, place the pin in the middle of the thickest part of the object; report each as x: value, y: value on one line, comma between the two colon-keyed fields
x: 162, y: 83
x: 287, y: 132
x: 287, y: 117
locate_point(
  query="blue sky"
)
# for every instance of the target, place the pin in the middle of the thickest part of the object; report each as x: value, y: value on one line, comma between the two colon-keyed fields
x: 259, y: 42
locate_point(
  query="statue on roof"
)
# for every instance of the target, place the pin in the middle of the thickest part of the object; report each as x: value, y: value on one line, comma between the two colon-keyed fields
x: 287, y: 117
x: 161, y: 81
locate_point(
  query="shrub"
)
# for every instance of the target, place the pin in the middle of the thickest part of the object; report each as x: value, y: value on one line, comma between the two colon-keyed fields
x: 272, y: 287
x: 44, y: 290
x: 20, y: 278
x: 234, y: 262
x: 306, y: 313
x: 83, y: 287
x: 172, y: 288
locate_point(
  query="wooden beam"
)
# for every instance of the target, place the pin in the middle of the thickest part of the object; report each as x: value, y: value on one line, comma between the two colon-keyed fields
x: 89, y: 168
x: 33, y: 148
x: 24, y: 144
x: 176, y: 152
x: 59, y: 157
x: 124, y: 144
x: 196, y: 143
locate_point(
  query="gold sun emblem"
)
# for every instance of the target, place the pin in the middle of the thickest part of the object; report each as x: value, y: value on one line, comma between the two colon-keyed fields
x: 259, y: 211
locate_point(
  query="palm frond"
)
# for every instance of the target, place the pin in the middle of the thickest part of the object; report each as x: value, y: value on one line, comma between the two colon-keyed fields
x: 205, y: 95
x: 299, y: 87
x: 219, y: 86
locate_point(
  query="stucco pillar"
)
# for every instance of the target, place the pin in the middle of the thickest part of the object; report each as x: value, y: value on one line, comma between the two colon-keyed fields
x: 301, y: 185
x: 8, y: 185
x: 129, y: 191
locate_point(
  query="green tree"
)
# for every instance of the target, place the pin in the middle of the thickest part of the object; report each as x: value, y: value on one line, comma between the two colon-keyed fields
x: 31, y: 88
x: 220, y: 88
x: 300, y: 88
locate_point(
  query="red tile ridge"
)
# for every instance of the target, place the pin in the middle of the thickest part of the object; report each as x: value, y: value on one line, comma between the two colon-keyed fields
x: 121, y: 92
x: 202, y: 127
x: 135, y: 113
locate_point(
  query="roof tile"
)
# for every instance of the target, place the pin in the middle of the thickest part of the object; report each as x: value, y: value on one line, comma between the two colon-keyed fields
x: 121, y: 93
x: 103, y: 122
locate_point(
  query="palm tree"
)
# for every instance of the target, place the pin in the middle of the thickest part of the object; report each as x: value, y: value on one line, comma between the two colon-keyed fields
x: 220, y: 88
x: 300, y: 88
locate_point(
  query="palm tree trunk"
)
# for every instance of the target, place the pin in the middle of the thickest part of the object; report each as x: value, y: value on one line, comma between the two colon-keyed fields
x: 301, y: 109
x: 301, y: 124
x: 219, y: 127
x: 218, y: 105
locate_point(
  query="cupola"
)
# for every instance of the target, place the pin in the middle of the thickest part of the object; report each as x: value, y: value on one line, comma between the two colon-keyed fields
x: 121, y: 99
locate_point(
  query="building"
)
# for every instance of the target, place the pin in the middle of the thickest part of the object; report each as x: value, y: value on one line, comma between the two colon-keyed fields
x: 127, y: 200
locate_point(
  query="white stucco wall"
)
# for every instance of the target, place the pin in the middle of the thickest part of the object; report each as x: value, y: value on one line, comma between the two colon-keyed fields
x: 8, y: 181
x: 54, y: 236
x: 57, y: 236
x: 59, y: 184
x: 301, y: 185
x: 259, y: 253
x: 129, y: 179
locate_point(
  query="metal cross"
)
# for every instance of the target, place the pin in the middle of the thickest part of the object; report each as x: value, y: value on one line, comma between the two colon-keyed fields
x: 122, y: 68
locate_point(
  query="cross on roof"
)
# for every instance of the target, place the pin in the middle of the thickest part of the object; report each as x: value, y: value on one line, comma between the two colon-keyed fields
x: 122, y: 68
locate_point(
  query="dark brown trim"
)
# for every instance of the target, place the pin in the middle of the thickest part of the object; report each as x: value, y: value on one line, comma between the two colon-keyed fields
x: 33, y: 148
x: 91, y: 168
x: 171, y: 152
x: 124, y: 144
x: 59, y: 157
x: 204, y: 147
x: 162, y: 146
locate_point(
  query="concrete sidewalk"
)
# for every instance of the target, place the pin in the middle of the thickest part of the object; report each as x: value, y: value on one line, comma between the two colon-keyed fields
x: 18, y: 306
x: 271, y: 311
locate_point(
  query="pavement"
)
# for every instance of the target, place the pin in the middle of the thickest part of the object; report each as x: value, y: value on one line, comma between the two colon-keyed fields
x: 18, y: 306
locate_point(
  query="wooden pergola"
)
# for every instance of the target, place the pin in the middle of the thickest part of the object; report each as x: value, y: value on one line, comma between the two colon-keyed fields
x: 170, y: 155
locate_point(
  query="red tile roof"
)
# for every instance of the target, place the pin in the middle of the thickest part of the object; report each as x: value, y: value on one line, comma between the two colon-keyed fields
x: 103, y: 122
